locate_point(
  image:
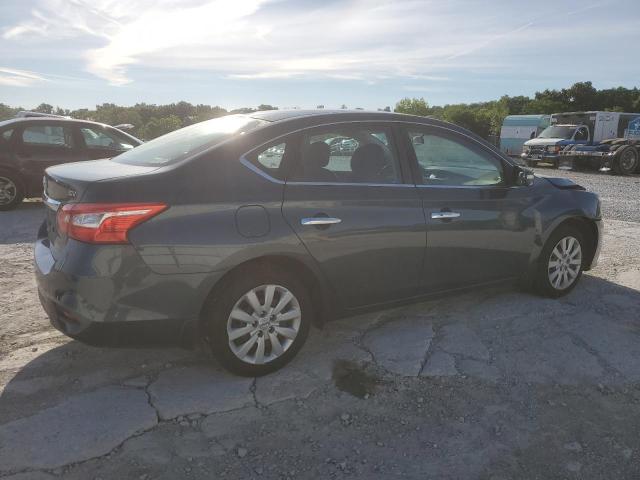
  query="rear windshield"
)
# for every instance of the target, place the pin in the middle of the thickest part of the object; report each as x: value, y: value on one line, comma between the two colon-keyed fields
x: 175, y: 146
x: 557, y: 132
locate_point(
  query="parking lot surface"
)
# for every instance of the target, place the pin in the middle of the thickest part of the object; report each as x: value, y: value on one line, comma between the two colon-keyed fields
x: 492, y: 384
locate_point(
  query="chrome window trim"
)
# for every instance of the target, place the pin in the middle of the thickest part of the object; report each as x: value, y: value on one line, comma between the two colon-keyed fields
x: 352, y: 184
x: 496, y: 185
x: 247, y: 163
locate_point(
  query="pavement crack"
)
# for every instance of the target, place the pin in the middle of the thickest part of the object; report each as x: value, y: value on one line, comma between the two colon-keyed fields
x: 253, y: 389
x: 150, y: 399
x: 431, y: 348
x: 358, y: 340
x: 579, y: 342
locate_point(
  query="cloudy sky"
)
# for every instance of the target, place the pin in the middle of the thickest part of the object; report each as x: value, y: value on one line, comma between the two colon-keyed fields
x: 363, y: 53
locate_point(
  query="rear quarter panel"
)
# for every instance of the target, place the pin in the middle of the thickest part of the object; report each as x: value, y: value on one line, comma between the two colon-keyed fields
x: 199, y: 232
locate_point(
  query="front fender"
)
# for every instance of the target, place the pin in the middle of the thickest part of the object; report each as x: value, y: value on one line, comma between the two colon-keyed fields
x: 559, y: 207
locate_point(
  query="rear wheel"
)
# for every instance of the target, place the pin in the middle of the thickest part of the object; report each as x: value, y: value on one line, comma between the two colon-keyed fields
x: 626, y: 160
x: 561, y: 262
x: 11, y: 191
x: 258, y: 321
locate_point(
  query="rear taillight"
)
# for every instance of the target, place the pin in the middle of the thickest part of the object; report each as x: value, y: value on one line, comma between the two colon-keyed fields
x: 104, y: 222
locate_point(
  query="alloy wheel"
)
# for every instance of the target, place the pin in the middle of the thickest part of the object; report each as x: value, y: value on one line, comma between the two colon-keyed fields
x: 263, y: 324
x: 565, y: 263
x: 8, y: 191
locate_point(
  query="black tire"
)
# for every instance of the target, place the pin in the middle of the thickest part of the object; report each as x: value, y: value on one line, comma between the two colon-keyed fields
x: 542, y: 284
x: 626, y: 160
x: 11, y: 190
x: 216, y: 315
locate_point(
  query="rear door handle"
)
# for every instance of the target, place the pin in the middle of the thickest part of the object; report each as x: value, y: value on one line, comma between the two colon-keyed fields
x: 444, y: 215
x: 320, y: 221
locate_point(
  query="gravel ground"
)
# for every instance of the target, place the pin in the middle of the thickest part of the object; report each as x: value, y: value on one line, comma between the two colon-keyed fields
x: 620, y: 195
x: 493, y: 384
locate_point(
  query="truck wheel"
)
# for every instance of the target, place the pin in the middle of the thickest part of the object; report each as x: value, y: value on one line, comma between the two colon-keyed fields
x: 626, y: 160
x: 11, y: 190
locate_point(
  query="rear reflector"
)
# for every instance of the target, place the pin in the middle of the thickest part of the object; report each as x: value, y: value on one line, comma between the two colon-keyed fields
x: 104, y: 222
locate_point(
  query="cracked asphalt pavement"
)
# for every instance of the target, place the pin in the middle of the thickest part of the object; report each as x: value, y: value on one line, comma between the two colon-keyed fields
x: 492, y: 384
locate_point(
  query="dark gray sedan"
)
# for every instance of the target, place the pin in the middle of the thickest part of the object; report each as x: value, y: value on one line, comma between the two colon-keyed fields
x: 247, y: 229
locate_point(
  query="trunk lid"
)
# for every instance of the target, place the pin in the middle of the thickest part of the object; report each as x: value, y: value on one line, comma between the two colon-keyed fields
x: 69, y: 182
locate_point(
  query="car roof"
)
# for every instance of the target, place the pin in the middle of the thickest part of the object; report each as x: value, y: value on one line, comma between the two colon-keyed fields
x: 309, y: 118
x: 282, y: 115
x: 19, y: 120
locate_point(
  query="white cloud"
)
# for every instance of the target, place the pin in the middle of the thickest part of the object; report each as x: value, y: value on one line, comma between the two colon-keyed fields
x: 19, y: 78
x: 360, y: 40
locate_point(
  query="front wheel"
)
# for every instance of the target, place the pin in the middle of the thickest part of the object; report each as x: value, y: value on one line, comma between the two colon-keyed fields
x: 259, y: 321
x: 561, y: 262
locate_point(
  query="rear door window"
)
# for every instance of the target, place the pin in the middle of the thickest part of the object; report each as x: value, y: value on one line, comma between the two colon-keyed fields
x: 348, y: 154
x: 48, y: 135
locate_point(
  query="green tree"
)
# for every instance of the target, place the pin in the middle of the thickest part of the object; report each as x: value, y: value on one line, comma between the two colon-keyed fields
x: 44, y: 108
x: 7, y: 112
x: 412, y: 106
x: 159, y: 126
x: 582, y: 96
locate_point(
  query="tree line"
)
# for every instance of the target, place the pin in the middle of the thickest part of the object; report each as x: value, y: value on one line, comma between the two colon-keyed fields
x: 149, y: 121
x: 483, y: 118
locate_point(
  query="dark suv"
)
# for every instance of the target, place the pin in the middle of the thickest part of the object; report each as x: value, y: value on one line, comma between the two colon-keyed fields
x: 251, y: 227
x: 29, y: 145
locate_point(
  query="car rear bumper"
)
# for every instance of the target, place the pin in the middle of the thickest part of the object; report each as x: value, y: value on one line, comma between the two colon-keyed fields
x: 106, y: 295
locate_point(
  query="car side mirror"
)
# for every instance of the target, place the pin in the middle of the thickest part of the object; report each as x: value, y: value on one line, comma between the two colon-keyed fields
x: 524, y: 177
x: 418, y: 140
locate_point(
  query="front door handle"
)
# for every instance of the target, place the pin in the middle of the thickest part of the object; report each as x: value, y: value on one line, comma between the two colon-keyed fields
x: 444, y: 215
x: 320, y: 221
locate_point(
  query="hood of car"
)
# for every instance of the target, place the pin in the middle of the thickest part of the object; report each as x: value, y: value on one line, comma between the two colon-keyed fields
x: 564, y: 183
x: 543, y: 141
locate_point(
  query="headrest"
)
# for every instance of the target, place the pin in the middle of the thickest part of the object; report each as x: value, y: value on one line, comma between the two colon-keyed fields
x: 317, y: 155
x: 367, y: 162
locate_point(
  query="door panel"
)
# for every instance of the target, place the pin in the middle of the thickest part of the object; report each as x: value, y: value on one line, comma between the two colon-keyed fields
x: 375, y: 253
x: 491, y: 239
x: 478, y: 228
x: 43, y: 145
x: 348, y: 202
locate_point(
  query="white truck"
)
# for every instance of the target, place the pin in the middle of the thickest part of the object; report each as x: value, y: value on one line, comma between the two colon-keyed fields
x: 588, y: 138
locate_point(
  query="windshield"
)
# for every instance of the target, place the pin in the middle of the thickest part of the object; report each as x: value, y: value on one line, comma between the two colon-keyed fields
x: 177, y: 145
x: 558, y: 131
